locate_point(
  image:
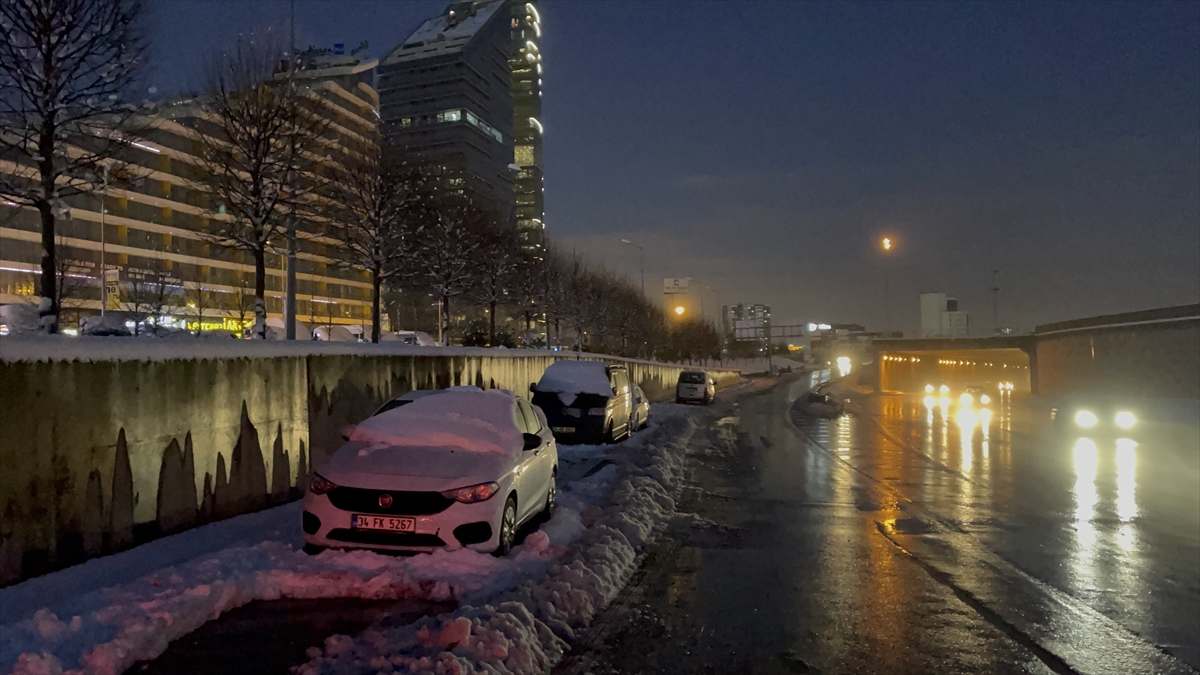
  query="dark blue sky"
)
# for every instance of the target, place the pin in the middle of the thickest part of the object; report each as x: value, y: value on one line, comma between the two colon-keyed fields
x: 763, y: 147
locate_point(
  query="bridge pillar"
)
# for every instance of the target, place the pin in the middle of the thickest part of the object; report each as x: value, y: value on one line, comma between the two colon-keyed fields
x: 1031, y: 352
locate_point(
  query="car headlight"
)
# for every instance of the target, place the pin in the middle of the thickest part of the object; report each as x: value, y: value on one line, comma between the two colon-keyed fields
x: 929, y: 389
x: 473, y: 493
x: 966, y: 400
x: 944, y: 389
x: 985, y: 399
x: 597, y: 411
x: 1125, y: 419
x: 1008, y: 386
x: 930, y: 401
x: 1086, y: 419
x: 319, y: 485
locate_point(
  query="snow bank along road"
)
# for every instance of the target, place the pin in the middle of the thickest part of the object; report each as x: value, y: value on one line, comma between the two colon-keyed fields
x: 514, y: 615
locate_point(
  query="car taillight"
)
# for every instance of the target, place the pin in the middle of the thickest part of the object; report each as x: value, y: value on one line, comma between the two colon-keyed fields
x: 319, y: 484
x: 472, y: 494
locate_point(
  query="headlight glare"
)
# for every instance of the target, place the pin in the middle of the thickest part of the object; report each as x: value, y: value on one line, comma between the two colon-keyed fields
x: 1086, y: 419
x: 1126, y: 419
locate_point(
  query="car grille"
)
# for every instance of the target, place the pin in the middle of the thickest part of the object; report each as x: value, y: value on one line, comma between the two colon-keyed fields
x: 378, y: 538
x: 361, y: 500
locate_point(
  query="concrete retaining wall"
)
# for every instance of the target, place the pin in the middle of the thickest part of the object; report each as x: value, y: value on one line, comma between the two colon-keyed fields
x: 105, y: 445
x: 1155, y: 360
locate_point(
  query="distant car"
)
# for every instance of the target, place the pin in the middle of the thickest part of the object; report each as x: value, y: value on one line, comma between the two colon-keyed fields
x: 978, y: 396
x: 451, y: 470
x: 641, y: 409
x: 817, y: 404
x: 695, y: 386
x: 585, y: 401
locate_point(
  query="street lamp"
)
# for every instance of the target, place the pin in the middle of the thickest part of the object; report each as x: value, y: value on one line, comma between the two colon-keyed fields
x: 642, y: 251
x: 887, y: 244
x: 679, y: 310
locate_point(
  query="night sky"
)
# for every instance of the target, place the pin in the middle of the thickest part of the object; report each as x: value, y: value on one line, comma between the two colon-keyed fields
x: 763, y: 148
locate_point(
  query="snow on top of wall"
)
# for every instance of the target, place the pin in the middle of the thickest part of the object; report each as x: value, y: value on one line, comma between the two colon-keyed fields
x: 476, y: 421
x: 89, y: 349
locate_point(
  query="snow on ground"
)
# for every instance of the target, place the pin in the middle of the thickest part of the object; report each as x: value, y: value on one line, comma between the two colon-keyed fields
x: 102, y: 616
x: 527, y: 628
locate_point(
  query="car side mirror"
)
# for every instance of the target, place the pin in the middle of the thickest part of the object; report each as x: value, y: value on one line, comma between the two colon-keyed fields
x: 533, y: 387
x: 346, y: 431
x: 532, y: 441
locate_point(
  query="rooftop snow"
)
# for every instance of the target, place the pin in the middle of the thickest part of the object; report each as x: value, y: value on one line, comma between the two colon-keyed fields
x: 570, y: 378
x: 436, y: 37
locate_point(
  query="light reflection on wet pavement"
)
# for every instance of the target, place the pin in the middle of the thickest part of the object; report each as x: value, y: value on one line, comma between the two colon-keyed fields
x: 907, y: 539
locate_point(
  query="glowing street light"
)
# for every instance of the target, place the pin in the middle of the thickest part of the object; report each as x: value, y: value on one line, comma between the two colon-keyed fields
x: 887, y: 243
x: 679, y: 310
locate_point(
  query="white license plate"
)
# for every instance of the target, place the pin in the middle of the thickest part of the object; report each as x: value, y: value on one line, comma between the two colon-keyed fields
x: 361, y: 521
x: 563, y: 430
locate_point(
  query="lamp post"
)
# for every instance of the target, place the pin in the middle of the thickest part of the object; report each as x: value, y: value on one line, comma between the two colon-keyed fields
x: 888, y: 244
x: 103, y: 276
x: 642, y: 252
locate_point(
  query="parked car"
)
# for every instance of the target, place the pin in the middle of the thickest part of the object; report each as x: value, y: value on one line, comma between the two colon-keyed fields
x: 641, y: 409
x: 451, y: 470
x: 695, y: 386
x: 585, y: 401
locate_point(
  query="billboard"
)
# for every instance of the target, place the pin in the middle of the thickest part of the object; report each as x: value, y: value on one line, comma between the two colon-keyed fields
x: 675, y: 285
x: 749, y: 329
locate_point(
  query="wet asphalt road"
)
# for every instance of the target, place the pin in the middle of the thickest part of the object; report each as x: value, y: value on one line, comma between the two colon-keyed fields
x: 891, y: 540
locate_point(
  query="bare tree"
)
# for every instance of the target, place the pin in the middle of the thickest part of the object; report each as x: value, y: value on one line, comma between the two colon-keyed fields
x: 64, y: 65
x: 261, y: 146
x: 146, y: 296
x: 445, y: 245
x: 498, y: 261
x: 377, y: 201
x: 197, y: 299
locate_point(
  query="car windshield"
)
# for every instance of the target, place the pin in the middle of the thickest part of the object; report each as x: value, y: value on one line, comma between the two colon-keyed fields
x: 691, y: 378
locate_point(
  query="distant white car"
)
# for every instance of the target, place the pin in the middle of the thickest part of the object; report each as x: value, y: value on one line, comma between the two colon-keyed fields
x: 456, y: 469
x: 695, y: 386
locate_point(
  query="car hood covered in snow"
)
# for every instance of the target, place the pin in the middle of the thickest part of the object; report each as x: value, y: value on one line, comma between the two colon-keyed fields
x: 412, y: 467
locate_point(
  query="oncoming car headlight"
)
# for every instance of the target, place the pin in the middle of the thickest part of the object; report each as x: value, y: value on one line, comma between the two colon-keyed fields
x: 985, y: 399
x: 929, y: 389
x: 944, y: 389
x: 1086, y: 419
x: 966, y: 400
x: 1125, y: 419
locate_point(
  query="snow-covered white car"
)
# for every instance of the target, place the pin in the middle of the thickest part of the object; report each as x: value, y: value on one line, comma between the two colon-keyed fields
x: 456, y: 469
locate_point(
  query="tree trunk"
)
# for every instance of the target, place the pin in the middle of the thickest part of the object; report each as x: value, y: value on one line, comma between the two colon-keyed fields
x: 375, y: 283
x: 48, y: 307
x: 444, y: 328
x: 492, y: 322
x: 260, y: 293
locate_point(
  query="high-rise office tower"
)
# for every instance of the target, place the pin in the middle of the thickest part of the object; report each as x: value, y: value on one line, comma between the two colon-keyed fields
x: 526, y: 63
x: 446, y: 98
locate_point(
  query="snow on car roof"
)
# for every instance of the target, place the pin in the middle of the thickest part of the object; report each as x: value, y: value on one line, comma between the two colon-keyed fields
x: 476, y: 421
x: 576, y: 377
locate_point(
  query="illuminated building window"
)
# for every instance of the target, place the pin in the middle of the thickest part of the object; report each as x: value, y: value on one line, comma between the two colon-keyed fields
x: 523, y: 154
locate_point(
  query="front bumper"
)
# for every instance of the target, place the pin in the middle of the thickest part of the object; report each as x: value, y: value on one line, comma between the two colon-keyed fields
x: 473, y: 526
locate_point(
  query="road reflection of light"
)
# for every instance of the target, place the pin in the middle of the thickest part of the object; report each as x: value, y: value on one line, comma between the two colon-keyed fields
x: 1085, y: 480
x: 985, y: 422
x: 1126, y: 479
x: 1085, y: 509
x: 967, y: 419
x: 844, y: 438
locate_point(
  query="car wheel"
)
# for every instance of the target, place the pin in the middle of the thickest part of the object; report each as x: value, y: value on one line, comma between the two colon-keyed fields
x: 608, y: 434
x: 313, y: 549
x: 508, y: 527
x: 551, y: 498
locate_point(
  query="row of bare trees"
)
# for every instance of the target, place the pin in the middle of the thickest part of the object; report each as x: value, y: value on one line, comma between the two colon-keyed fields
x: 68, y: 66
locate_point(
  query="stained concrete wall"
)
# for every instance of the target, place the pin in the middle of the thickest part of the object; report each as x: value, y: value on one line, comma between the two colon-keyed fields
x: 98, y: 455
x: 1154, y: 359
